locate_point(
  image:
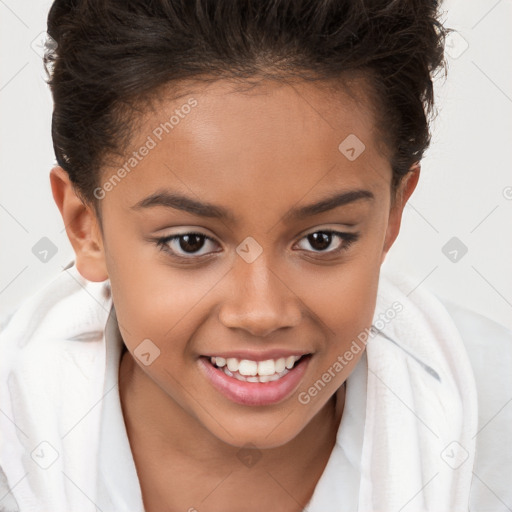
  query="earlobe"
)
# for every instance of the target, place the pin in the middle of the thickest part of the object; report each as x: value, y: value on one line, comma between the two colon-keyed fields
x: 82, y: 227
x: 403, y: 193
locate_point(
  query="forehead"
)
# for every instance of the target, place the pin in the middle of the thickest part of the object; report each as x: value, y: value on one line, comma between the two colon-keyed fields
x: 239, y: 118
x: 273, y: 141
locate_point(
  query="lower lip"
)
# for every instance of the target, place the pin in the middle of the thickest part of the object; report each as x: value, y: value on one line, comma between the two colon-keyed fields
x: 255, y: 393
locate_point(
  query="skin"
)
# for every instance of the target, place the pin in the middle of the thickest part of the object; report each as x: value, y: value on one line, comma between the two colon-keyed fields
x: 257, y: 153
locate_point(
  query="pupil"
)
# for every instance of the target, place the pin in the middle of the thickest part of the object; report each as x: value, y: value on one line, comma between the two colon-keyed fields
x: 190, y: 242
x: 320, y: 238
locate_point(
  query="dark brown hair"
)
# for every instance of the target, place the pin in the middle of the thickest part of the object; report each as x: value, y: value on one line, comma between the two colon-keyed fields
x: 112, y: 54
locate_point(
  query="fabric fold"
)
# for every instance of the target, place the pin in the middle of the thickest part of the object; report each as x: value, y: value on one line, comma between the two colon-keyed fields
x: 421, y: 416
x: 50, y: 389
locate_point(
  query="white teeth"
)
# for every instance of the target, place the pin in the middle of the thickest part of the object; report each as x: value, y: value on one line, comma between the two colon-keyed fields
x: 247, y: 367
x: 255, y: 371
x: 267, y: 367
x: 257, y: 378
x: 232, y: 364
x: 290, y: 361
x: 280, y: 364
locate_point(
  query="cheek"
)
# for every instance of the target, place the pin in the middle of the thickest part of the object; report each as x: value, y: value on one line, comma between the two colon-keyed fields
x: 158, y: 302
x: 347, y: 304
x: 150, y: 297
x: 152, y: 308
x: 344, y: 297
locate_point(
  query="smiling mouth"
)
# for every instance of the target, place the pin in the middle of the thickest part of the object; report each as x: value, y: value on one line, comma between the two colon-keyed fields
x: 256, y: 381
x: 247, y: 370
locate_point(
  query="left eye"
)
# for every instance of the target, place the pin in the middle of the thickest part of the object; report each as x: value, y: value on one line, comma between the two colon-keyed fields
x: 191, y: 243
x: 320, y: 240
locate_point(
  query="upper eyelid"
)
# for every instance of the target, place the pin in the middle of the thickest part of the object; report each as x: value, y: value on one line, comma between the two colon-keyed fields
x: 301, y: 235
x: 213, y: 239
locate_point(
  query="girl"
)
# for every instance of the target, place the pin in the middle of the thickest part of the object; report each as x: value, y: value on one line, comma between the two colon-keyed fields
x: 231, y: 176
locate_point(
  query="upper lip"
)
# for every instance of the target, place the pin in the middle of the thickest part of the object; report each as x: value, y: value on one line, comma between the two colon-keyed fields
x: 257, y: 355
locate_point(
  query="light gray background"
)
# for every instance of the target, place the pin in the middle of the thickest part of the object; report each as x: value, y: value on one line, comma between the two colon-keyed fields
x: 465, y: 189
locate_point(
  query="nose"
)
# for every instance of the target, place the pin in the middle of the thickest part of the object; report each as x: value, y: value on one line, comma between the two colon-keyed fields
x: 260, y: 301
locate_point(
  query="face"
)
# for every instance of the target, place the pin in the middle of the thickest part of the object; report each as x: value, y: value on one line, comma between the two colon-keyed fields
x: 250, y: 228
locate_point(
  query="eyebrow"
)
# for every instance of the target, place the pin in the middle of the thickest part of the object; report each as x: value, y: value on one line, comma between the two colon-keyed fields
x: 169, y: 199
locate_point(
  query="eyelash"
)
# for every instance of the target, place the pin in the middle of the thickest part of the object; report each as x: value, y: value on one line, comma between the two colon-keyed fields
x: 348, y: 239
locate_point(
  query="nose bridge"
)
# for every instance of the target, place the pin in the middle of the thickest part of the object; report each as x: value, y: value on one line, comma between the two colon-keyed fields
x: 259, y: 300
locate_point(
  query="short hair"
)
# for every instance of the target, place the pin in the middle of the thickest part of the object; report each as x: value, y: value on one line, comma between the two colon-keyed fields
x: 111, y: 55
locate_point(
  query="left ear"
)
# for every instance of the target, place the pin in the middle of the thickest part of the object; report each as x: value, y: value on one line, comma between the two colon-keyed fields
x: 403, y: 192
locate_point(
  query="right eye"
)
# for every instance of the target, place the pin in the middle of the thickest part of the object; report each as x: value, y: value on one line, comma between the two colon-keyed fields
x: 185, y: 243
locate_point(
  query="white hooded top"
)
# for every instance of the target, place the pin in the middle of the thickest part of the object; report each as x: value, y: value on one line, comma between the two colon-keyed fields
x: 426, y: 426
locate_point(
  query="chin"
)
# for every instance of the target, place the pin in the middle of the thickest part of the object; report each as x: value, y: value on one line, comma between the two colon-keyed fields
x: 263, y: 435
